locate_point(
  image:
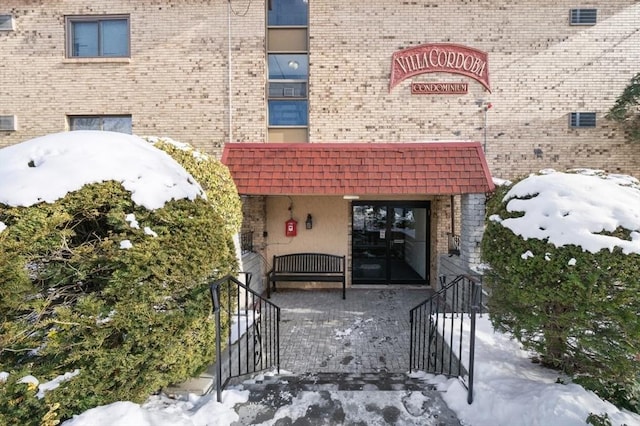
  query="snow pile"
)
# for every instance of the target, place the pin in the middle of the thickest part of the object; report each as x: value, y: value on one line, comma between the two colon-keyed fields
x: 575, y: 208
x: 75, y: 159
x: 511, y: 390
x: 163, y: 411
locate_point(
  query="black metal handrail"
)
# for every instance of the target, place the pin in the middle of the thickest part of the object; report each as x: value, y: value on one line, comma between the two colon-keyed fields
x: 256, y: 344
x: 437, y: 330
x: 454, y: 243
x: 246, y: 242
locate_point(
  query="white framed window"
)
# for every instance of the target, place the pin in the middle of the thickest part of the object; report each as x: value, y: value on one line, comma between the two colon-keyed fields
x: 98, y: 36
x: 6, y: 23
x: 582, y: 119
x: 583, y: 16
x: 109, y: 123
x: 8, y: 123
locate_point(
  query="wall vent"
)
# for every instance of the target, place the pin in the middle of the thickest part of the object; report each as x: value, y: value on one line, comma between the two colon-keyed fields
x: 583, y: 16
x: 8, y: 123
x: 582, y: 119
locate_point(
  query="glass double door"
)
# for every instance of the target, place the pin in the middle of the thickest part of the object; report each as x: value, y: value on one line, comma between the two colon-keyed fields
x: 390, y: 242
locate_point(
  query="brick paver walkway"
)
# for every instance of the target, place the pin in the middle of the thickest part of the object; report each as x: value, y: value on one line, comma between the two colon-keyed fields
x: 367, y: 332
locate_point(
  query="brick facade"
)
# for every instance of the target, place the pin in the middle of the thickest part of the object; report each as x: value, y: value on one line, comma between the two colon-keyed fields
x: 175, y: 84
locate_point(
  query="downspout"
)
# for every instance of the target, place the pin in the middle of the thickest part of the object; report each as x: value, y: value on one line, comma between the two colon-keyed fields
x: 229, y: 68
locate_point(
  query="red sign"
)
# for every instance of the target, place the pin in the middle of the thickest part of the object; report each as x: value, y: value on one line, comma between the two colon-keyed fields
x: 439, y: 88
x: 439, y: 57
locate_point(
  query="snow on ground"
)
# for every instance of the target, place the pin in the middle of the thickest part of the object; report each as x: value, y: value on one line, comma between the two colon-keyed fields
x: 242, y: 321
x: 163, y: 411
x: 510, y: 390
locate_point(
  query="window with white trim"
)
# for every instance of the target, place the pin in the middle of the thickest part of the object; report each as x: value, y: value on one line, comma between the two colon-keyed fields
x: 110, y: 123
x: 8, y: 123
x: 98, y: 36
x: 6, y: 23
x: 582, y: 119
x: 583, y: 16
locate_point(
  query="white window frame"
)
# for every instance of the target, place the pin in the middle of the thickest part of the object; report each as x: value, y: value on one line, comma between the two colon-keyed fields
x: 7, y: 23
x: 8, y: 123
x: 69, y: 30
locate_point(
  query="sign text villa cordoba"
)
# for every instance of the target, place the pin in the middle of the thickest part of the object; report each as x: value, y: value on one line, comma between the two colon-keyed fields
x: 439, y: 57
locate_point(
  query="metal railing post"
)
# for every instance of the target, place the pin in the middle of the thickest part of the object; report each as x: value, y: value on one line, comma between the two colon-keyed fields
x: 255, y: 330
x: 216, y: 310
x: 475, y: 306
x: 433, y: 322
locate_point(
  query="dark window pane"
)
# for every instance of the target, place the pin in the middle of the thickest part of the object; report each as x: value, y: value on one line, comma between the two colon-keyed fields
x: 6, y: 23
x: 288, y: 67
x: 85, y: 39
x: 85, y: 123
x: 114, y: 123
x: 287, y: 12
x: 100, y: 37
x: 117, y: 124
x: 114, y: 37
x: 288, y: 113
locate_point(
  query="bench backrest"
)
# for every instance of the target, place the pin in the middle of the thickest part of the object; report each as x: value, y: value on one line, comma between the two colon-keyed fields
x: 309, y: 262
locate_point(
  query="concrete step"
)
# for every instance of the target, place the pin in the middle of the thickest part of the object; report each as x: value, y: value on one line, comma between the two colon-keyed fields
x: 343, y: 399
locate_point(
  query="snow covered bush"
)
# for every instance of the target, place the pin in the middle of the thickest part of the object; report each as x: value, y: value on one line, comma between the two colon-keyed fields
x: 563, y: 251
x: 212, y: 175
x: 106, y: 277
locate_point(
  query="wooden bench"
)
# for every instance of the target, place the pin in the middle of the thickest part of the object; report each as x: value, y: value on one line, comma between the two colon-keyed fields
x: 307, y: 267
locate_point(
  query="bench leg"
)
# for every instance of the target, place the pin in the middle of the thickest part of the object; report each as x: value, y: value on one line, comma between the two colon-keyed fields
x: 344, y: 290
x: 269, y: 284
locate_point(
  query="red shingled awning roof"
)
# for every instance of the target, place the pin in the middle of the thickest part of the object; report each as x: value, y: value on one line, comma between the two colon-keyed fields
x: 438, y: 168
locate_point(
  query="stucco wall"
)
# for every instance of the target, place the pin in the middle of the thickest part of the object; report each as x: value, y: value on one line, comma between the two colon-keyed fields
x: 329, y: 234
x: 330, y: 216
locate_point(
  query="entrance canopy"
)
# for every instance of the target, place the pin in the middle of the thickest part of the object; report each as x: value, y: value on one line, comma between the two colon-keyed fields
x: 438, y: 168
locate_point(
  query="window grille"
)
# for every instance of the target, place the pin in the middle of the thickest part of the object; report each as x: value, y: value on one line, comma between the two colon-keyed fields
x: 246, y: 242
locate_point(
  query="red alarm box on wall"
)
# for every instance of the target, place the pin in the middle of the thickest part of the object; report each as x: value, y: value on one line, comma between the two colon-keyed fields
x: 291, y: 228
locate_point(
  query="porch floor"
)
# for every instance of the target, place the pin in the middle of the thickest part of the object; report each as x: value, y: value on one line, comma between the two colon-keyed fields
x: 367, y: 332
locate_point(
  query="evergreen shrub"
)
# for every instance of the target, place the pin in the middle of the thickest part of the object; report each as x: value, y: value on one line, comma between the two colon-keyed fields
x: 130, y: 320
x: 577, y: 309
